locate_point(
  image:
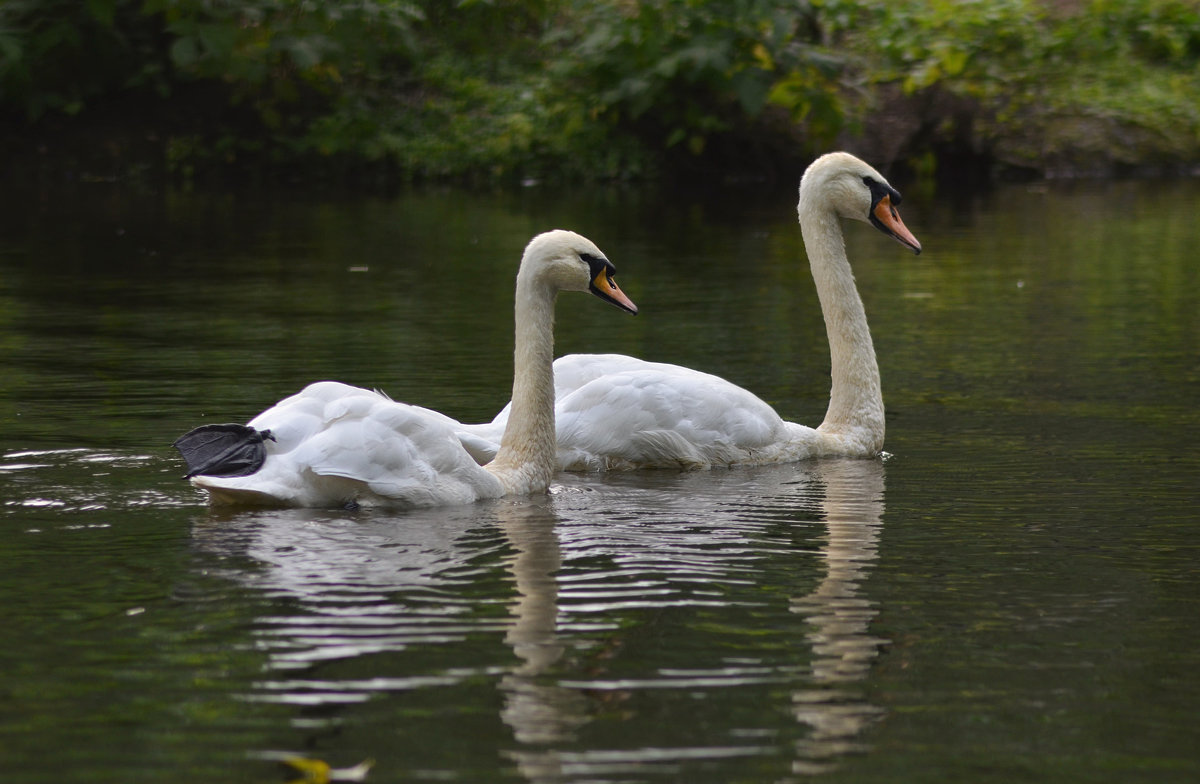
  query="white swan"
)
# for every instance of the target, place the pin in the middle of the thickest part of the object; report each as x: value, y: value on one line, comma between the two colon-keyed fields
x: 616, y: 412
x: 334, y: 444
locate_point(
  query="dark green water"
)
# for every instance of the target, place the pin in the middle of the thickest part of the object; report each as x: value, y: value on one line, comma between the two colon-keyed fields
x: 1012, y: 595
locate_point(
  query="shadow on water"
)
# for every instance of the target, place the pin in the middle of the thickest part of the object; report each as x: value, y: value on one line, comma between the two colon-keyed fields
x: 547, y: 601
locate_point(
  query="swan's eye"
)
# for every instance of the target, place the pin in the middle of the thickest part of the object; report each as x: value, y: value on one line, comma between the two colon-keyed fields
x: 881, y: 190
x: 597, y: 264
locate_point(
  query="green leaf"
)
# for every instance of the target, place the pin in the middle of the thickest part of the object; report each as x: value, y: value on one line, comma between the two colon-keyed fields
x: 751, y: 87
x: 185, y: 53
x: 103, y: 11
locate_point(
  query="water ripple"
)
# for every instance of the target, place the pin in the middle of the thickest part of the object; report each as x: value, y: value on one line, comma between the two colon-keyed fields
x: 549, y: 596
x: 86, y: 480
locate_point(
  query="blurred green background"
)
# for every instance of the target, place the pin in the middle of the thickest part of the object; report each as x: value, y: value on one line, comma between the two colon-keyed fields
x: 585, y: 90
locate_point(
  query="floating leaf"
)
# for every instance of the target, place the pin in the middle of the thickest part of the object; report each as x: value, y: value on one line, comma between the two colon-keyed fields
x: 315, y: 771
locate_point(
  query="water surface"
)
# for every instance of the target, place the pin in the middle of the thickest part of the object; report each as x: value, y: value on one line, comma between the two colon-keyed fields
x: 1010, y: 595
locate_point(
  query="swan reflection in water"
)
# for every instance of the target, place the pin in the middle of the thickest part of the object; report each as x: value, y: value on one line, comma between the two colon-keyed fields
x: 574, y: 565
x: 838, y: 613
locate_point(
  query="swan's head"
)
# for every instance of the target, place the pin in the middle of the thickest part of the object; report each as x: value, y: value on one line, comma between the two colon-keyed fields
x: 840, y: 182
x: 566, y: 261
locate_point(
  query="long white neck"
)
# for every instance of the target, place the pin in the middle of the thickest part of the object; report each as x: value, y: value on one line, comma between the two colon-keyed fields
x: 527, y: 458
x: 855, y: 399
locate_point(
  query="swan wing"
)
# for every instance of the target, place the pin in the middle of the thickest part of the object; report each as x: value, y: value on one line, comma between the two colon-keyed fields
x: 335, y: 444
x: 570, y: 373
x: 657, y: 415
x: 576, y: 370
x: 616, y: 412
x: 482, y: 442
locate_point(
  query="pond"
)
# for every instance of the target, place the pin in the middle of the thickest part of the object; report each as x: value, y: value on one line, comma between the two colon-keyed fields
x: 1011, y: 594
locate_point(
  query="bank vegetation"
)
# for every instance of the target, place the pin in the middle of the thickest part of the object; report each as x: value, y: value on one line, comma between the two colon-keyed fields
x: 398, y: 90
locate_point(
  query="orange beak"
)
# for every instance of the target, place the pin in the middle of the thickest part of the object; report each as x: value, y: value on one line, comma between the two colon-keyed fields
x: 606, y: 288
x: 888, y: 219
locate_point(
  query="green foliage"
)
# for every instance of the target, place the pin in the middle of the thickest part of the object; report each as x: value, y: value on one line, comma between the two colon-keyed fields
x: 457, y: 124
x: 475, y: 103
x: 1106, y: 80
x: 681, y: 72
x: 283, y: 57
x: 283, y: 61
x: 495, y: 35
x: 974, y: 45
x: 1126, y: 84
x: 611, y: 88
x: 250, y: 42
x: 1003, y: 47
x: 1164, y: 33
x: 59, y: 55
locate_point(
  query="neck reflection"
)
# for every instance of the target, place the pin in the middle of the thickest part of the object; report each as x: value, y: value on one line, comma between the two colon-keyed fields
x: 839, y: 615
x: 538, y: 712
x: 544, y: 716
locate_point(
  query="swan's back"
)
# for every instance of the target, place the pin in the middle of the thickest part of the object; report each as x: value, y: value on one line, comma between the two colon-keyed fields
x: 616, y: 412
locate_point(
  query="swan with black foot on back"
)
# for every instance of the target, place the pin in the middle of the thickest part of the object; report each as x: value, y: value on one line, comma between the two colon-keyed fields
x: 336, y: 445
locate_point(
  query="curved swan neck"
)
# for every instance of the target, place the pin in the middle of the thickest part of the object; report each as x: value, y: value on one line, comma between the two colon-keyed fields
x: 527, y: 458
x: 855, y: 398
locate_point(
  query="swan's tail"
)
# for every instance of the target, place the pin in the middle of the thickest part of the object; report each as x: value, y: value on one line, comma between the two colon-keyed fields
x: 481, y: 441
x: 222, y: 495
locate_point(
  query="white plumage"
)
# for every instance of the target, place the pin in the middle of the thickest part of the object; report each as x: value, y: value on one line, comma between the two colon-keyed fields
x: 615, y: 412
x: 333, y: 444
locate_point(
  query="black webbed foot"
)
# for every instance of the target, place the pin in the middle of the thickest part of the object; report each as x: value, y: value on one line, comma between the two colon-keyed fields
x: 223, y: 450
